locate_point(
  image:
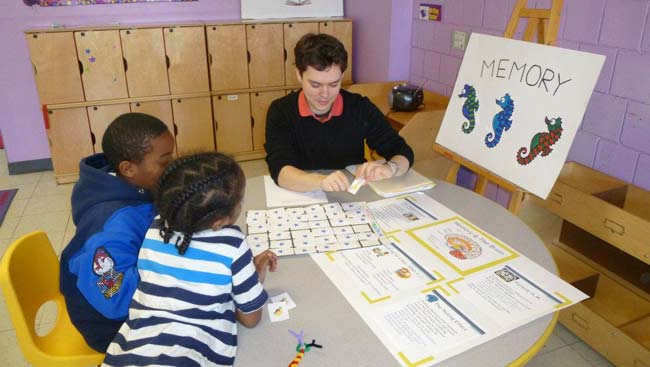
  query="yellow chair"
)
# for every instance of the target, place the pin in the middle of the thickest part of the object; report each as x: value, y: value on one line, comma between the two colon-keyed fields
x: 29, y: 277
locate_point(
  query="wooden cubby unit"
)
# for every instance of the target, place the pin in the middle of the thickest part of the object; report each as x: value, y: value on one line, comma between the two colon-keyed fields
x: 604, y: 250
x: 211, y: 83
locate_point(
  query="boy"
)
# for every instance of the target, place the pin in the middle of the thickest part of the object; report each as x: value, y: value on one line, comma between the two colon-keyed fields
x: 112, y: 210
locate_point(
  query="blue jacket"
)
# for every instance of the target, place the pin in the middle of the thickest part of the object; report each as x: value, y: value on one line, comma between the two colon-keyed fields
x: 98, y: 266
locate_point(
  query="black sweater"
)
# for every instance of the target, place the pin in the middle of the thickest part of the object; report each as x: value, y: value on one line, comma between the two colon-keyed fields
x: 307, y: 144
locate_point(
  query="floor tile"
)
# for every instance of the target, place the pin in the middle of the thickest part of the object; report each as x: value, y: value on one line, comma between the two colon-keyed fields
x: 48, y: 186
x: 590, y: 355
x: 8, y: 227
x: 48, y: 222
x: 5, y: 320
x: 10, y: 354
x: 254, y: 168
x: 25, y: 191
x: 553, y: 343
x: 565, y: 334
x: 563, y: 357
x: 48, y: 204
x: 16, y: 208
x: 9, y: 181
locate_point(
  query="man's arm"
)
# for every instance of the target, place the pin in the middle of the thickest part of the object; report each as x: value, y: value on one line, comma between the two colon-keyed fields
x: 296, y: 179
x: 380, y: 170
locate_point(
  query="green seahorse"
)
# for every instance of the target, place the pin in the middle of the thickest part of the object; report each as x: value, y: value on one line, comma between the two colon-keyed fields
x: 469, y: 108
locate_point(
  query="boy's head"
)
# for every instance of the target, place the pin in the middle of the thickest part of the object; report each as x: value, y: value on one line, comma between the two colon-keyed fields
x: 199, y: 192
x: 320, y: 62
x: 139, y: 147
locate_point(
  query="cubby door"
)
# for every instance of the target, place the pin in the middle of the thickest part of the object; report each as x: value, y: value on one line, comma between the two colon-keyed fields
x: 260, y: 102
x: 145, y: 61
x: 160, y: 109
x: 227, y: 56
x: 193, y: 125
x: 70, y: 139
x: 188, y: 63
x: 343, y: 31
x: 102, y: 116
x: 292, y: 33
x: 266, y: 48
x: 232, y: 121
x: 100, y: 55
x: 56, y: 68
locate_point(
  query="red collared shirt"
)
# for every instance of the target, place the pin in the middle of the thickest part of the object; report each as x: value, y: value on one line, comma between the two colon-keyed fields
x: 305, y: 111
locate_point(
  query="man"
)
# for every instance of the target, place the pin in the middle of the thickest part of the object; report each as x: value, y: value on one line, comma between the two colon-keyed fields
x: 324, y: 127
x: 112, y: 210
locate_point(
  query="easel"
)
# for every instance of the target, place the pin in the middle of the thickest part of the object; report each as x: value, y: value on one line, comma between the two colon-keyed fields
x: 544, y: 25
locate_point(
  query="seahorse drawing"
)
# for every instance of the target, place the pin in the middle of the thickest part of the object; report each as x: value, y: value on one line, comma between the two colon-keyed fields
x: 469, y: 108
x: 541, y: 142
x: 501, y: 120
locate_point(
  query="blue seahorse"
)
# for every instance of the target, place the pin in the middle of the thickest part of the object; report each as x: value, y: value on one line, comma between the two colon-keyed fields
x: 501, y: 121
x: 469, y: 108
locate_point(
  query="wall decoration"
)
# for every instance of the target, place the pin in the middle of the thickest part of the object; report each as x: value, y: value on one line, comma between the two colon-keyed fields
x: 91, y: 2
x: 265, y: 9
x: 516, y: 107
x: 431, y: 12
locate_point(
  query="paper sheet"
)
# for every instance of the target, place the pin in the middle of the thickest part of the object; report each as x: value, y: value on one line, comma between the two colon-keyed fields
x: 443, y: 285
x: 277, y: 196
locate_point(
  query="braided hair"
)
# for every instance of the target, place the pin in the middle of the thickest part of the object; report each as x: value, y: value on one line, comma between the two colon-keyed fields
x: 194, y: 192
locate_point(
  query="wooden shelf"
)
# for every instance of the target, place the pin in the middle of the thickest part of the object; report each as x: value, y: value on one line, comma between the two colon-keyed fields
x: 603, y: 250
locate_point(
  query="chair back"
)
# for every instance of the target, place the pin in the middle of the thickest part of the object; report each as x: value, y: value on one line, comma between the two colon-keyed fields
x: 29, y: 277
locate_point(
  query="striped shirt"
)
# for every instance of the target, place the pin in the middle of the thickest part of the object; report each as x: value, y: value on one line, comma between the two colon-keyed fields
x: 183, y: 312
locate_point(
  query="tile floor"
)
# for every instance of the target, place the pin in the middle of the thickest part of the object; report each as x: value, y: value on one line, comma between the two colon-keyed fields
x: 41, y: 204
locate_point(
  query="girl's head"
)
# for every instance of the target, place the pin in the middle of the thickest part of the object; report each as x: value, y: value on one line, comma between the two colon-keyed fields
x: 196, y: 193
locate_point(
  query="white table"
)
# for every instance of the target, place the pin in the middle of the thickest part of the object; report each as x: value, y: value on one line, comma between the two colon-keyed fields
x: 324, y: 314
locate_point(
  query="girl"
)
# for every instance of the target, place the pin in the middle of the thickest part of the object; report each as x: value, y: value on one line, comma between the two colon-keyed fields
x: 197, y: 273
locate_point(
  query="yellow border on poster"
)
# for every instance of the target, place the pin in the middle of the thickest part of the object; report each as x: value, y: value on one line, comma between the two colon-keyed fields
x: 513, y: 255
x: 416, y: 363
x: 449, y: 284
x: 371, y: 301
x: 564, y: 298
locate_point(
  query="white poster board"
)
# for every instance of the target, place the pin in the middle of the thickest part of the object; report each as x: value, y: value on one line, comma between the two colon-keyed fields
x: 265, y: 9
x: 516, y: 107
x: 440, y: 285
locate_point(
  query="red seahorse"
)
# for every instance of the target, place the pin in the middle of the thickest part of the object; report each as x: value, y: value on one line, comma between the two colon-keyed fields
x: 541, y: 142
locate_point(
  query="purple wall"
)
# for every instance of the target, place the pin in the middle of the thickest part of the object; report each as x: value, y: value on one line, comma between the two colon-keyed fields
x: 21, y: 121
x: 615, y: 133
x: 379, y: 35
x: 382, y: 29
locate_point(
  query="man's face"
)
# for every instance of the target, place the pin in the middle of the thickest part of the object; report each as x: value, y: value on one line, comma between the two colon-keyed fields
x: 321, y: 87
x: 148, y: 171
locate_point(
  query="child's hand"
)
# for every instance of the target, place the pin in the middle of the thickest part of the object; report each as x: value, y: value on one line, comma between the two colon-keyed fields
x: 267, y: 259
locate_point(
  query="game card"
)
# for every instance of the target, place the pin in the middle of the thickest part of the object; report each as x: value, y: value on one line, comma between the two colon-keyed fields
x: 278, y: 311
x: 284, y: 297
x: 356, y: 185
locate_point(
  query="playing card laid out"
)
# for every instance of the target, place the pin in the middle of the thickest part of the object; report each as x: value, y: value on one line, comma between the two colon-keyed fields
x: 278, y: 311
x: 284, y: 297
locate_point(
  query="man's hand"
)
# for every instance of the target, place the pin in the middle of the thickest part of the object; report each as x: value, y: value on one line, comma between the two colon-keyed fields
x: 374, y: 171
x: 335, y: 181
x: 267, y: 260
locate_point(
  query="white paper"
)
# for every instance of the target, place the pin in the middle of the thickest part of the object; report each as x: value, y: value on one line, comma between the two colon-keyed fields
x: 265, y: 9
x: 543, y: 83
x: 442, y: 287
x: 277, y: 196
